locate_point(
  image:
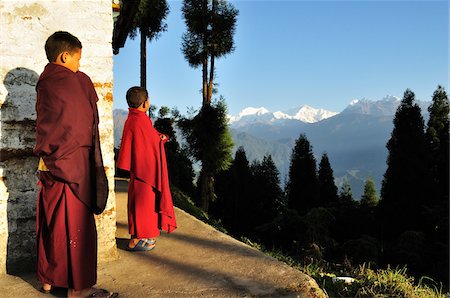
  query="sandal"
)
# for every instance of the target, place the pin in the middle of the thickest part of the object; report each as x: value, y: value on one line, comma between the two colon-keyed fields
x: 142, y: 245
x: 151, y: 241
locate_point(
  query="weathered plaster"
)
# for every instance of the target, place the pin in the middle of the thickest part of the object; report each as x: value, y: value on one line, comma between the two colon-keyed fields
x: 24, y: 27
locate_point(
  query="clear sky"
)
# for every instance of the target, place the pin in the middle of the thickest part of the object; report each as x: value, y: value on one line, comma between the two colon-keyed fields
x: 290, y: 53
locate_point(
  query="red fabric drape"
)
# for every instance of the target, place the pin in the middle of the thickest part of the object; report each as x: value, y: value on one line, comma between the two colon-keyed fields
x: 142, y: 153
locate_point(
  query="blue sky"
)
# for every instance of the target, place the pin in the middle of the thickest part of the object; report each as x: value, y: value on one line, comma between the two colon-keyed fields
x: 290, y: 53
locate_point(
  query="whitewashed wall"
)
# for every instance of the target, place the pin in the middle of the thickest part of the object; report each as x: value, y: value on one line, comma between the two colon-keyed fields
x: 24, y: 28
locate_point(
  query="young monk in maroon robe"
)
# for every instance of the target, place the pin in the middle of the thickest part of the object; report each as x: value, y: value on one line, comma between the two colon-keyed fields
x: 66, y: 138
x: 150, y: 207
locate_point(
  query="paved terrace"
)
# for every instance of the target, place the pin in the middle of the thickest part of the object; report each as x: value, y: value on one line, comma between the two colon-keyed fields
x: 194, y: 261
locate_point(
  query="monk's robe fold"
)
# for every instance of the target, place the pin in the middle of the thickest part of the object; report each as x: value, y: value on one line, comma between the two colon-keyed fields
x: 65, y: 139
x: 66, y: 106
x: 142, y: 153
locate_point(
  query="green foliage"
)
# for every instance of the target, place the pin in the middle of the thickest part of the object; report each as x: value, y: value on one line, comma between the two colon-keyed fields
x: 210, y: 142
x: 211, y: 25
x: 367, y: 282
x: 393, y: 283
x: 149, y: 18
x: 302, y: 187
x: 369, y: 198
x: 210, y: 28
x: 209, y: 137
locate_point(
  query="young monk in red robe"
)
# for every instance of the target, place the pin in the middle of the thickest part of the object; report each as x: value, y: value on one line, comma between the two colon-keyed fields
x: 150, y: 207
x: 66, y: 139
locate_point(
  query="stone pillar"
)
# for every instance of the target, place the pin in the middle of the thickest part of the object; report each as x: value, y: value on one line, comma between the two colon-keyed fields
x: 24, y: 28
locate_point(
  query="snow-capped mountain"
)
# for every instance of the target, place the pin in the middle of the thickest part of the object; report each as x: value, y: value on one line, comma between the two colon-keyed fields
x: 384, y: 107
x: 304, y: 113
x: 251, y: 115
x: 354, y: 139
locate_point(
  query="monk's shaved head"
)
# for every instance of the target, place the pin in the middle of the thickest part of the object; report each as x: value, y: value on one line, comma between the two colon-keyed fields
x: 136, y: 96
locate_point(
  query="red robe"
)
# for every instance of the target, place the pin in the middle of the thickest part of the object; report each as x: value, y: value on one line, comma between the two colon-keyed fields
x: 150, y: 206
x: 67, y: 117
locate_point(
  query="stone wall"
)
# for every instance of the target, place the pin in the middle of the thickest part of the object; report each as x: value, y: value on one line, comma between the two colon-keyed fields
x: 24, y: 28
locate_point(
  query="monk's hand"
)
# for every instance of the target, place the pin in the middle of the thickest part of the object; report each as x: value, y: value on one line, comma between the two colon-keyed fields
x: 164, y: 137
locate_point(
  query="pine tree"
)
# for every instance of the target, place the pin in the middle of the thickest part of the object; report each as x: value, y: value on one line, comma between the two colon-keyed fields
x: 210, y: 142
x: 233, y: 203
x: 369, y: 197
x: 327, y: 187
x: 267, y: 193
x: 405, y: 185
x: 302, y: 187
x: 438, y: 216
x: 438, y: 144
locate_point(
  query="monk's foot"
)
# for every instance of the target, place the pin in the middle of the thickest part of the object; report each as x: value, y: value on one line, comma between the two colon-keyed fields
x: 140, y: 245
x: 46, y: 288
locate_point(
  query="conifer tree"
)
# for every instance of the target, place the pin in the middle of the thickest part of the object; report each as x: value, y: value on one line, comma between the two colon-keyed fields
x: 267, y: 192
x: 405, y: 185
x: 327, y: 188
x: 438, y: 216
x: 345, y: 193
x: 181, y: 173
x: 233, y: 203
x: 438, y: 144
x: 369, y: 197
x: 302, y: 187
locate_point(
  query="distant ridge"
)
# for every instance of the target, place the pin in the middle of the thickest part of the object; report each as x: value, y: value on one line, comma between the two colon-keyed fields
x: 354, y: 139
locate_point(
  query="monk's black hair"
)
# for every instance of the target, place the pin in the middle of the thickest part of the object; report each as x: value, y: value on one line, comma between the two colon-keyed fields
x: 136, y: 96
x: 61, y: 41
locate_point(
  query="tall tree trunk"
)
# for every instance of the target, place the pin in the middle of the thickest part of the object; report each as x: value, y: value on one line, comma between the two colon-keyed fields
x: 205, y: 51
x: 211, y: 78
x: 205, y: 81
x: 211, y: 53
x: 206, y: 190
x: 143, y: 60
x: 144, y: 63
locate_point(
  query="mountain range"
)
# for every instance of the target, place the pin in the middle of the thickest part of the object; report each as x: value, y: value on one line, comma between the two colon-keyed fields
x: 354, y: 139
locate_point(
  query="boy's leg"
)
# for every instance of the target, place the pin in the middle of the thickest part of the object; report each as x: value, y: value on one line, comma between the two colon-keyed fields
x: 142, y: 212
x: 66, y: 236
x: 51, y: 233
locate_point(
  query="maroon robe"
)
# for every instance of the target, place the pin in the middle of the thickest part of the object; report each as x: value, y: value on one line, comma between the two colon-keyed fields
x: 150, y: 206
x: 66, y: 235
